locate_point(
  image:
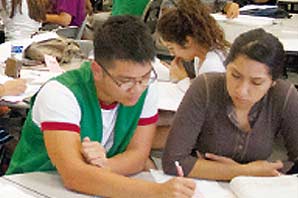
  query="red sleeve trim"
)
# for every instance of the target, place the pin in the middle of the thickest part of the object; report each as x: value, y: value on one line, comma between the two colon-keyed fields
x: 147, y: 121
x: 60, y: 126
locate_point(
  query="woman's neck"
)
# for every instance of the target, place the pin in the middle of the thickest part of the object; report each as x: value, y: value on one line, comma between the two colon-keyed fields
x: 201, y: 52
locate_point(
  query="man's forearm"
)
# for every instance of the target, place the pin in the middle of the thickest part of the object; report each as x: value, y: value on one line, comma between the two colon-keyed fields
x: 129, y: 162
x: 97, y: 181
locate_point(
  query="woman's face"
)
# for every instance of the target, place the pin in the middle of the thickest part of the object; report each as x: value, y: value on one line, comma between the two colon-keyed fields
x: 187, y: 52
x: 247, y: 81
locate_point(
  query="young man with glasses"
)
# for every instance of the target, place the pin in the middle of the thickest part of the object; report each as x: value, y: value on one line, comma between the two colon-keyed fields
x: 96, y: 124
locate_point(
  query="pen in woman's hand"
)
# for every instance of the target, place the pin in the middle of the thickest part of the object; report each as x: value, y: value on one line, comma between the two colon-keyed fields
x: 179, y: 169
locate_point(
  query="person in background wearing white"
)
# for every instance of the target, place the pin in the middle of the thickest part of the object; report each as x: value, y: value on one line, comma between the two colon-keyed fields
x: 17, y: 22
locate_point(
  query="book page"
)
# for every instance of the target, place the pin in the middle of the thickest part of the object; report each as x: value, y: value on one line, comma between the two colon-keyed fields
x: 259, y: 187
x: 204, y: 188
x: 171, y: 94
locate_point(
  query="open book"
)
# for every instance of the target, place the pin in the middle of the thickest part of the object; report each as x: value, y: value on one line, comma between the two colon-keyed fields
x: 242, y: 186
x: 259, y: 187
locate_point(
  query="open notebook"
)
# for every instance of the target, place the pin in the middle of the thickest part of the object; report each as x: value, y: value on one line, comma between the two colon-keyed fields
x: 242, y: 186
x: 259, y: 187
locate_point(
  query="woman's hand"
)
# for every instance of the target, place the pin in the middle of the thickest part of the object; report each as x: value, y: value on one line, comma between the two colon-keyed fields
x: 232, y: 10
x: 264, y: 168
x: 177, y: 187
x: 94, y: 153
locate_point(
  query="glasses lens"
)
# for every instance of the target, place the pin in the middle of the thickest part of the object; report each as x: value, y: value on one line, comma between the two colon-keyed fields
x: 146, y: 81
x: 127, y: 85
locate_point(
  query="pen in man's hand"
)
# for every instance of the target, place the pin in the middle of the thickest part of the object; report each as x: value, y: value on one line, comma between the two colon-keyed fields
x: 179, y: 169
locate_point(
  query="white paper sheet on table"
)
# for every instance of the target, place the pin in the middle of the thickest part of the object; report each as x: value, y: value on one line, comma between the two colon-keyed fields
x: 8, y: 191
x: 204, y: 189
x: 35, y: 79
x: 5, y: 48
x: 171, y: 94
x: 245, y: 20
x: 163, y: 73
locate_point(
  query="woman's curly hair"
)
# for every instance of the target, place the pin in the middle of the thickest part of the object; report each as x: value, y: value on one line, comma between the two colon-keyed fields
x: 192, y: 18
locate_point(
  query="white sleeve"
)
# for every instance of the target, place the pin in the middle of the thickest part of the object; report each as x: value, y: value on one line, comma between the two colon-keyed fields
x: 150, y: 104
x: 213, y: 63
x: 55, y: 103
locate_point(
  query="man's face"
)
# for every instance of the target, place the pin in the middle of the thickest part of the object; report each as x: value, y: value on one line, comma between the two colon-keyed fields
x: 126, y: 81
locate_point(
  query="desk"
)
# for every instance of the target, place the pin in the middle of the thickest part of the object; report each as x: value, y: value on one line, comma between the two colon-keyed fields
x: 284, y: 29
x: 49, y: 185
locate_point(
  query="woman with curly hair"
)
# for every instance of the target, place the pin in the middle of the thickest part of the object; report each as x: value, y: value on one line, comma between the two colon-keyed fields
x: 190, y: 32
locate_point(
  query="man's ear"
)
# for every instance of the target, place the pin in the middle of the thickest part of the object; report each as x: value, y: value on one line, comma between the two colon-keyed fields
x: 273, y: 84
x: 97, y: 70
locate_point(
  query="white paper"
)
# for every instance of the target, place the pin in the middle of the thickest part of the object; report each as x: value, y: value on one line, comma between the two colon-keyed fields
x: 171, y: 94
x: 35, y: 79
x: 163, y: 73
x: 204, y: 188
x: 260, y: 187
x: 247, y: 20
x: 8, y: 191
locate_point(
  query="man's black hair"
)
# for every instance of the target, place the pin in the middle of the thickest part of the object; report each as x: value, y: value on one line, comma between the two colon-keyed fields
x: 124, y: 38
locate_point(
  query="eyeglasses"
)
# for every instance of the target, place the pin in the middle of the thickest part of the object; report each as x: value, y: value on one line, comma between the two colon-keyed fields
x: 145, y: 80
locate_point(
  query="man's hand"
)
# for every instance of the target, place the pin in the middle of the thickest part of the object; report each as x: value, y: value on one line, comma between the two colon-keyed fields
x: 177, y: 187
x: 232, y: 10
x: 94, y: 153
x: 13, y: 87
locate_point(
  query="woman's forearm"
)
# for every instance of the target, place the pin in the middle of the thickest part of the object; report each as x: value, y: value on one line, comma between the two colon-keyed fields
x: 207, y: 169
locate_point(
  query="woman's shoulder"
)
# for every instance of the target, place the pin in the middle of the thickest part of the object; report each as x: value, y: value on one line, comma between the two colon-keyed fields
x: 213, y: 82
x: 282, y: 92
x: 210, y: 78
x: 281, y: 88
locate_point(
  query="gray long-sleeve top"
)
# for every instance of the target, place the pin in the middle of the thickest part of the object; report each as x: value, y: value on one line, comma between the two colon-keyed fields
x: 205, y: 121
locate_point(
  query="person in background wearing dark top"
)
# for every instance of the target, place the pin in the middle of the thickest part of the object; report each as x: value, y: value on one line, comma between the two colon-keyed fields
x: 226, y: 123
x: 129, y: 7
x: 61, y: 12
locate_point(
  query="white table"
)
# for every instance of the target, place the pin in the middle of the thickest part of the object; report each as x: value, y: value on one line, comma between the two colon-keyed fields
x: 284, y: 29
x: 49, y: 185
